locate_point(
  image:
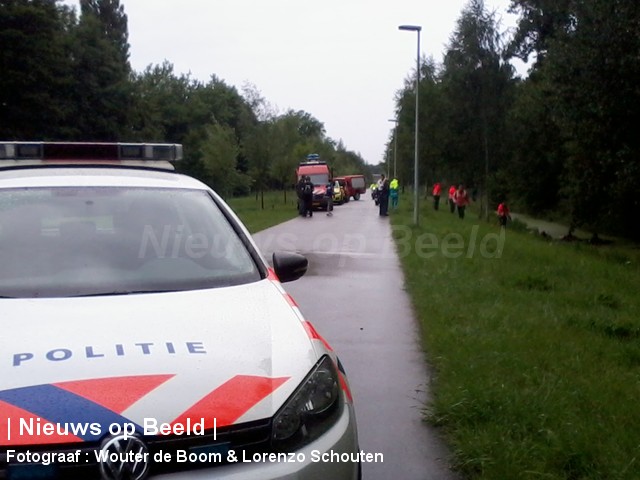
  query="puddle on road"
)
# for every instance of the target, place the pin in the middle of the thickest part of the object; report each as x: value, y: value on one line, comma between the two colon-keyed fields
x: 336, y: 263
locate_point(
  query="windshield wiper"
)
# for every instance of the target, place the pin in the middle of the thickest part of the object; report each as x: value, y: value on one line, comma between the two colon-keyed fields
x: 122, y: 292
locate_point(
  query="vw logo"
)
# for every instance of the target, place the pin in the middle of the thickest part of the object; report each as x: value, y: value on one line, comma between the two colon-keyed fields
x: 123, y: 457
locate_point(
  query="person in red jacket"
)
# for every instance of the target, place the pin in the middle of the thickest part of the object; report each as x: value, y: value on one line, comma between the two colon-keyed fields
x: 461, y: 198
x: 452, y: 202
x: 503, y: 214
x: 437, y: 190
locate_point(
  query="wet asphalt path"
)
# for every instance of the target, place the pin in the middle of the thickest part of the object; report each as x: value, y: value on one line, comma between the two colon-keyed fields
x: 353, y: 294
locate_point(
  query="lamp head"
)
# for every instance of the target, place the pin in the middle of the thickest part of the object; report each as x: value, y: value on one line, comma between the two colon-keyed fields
x: 411, y: 28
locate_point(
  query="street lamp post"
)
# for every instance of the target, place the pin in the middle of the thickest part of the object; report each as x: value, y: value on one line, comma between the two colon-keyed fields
x: 395, y: 146
x: 417, y: 29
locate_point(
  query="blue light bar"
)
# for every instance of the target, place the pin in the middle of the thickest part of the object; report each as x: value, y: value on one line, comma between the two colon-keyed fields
x: 103, y: 152
x: 20, y: 150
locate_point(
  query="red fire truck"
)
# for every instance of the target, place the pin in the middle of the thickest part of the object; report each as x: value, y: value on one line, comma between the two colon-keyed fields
x: 318, y: 172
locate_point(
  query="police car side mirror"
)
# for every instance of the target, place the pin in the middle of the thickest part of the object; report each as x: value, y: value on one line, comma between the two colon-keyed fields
x: 289, y: 266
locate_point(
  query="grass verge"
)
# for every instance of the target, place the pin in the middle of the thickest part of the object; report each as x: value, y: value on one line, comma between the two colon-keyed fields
x: 275, y: 211
x: 535, y: 347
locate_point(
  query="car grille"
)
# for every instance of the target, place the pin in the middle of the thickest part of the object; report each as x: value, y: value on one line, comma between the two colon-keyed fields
x: 247, y: 438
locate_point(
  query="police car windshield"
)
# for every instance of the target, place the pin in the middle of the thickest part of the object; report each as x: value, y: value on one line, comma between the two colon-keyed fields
x: 71, y: 241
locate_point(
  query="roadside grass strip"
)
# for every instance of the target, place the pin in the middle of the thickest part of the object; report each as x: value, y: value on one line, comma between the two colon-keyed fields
x: 535, y: 351
x: 249, y: 209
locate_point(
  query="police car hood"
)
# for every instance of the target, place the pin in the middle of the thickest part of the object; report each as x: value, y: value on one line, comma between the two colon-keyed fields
x: 231, y: 354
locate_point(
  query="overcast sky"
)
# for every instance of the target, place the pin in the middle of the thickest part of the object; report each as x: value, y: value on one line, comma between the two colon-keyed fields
x: 342, y: 61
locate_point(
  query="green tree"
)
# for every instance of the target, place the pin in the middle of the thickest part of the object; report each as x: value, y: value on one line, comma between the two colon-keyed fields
x: 113, y: 21
x: 532, y: 178
x: 160, y: 112
x: 103, y: 92
x: 592, y: 69
x: 259, y: 146
x: 289, y: 131
x: 179, y: 109
x: 347, y: 162
x: 307, y: 125
x: 431, y: 111
x: 477, y: 85
x: 219, y: 153
x: 540, y: 22
x: 65, y: 77
x: 36, y: 77
x: 218, y: 102
x: 261, y: 149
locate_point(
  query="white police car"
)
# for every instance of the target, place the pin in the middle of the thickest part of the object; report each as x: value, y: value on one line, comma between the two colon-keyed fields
x: 145, y: 336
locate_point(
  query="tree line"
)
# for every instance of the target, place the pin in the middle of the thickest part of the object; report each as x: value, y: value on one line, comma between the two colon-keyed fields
x: 562, y: 141
x: 65, y: 75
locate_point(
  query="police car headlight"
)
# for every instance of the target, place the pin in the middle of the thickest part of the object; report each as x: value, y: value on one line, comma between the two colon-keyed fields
x: 311, y: 410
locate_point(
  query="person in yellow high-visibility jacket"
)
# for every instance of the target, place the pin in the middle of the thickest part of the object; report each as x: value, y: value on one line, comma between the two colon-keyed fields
x: 393, y: 193
x: 374, y: 192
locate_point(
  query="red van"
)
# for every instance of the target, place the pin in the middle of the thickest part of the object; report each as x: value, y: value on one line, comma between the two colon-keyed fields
x: 354, y: 186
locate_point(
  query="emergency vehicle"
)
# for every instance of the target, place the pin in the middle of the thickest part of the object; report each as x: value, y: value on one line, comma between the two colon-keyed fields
x: 320, y: 175
x: 354, y: 186
x: 144, y: 333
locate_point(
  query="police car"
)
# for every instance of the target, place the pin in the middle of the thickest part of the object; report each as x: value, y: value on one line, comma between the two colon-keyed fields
x: 145, y: 335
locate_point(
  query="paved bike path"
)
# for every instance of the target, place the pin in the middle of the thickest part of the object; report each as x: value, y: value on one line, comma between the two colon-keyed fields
x: 353, y: 293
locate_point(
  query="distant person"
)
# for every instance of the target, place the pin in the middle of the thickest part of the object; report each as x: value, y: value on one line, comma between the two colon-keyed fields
x: 437, y: 190
x: 504, y: 215
x: 299, y: 187
x: 461, y: 199
x: 383, y: 196
x: 379, y: 185
x: 452, y: 202
x: 394, y: 193
x: 307, y: 196
x: 374, y: 192
x: 329, y: 194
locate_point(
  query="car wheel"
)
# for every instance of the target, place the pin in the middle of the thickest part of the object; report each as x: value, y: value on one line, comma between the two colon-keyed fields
x: 356, y: 196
